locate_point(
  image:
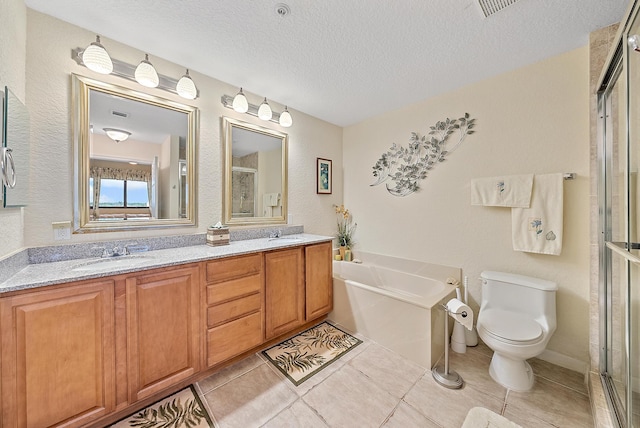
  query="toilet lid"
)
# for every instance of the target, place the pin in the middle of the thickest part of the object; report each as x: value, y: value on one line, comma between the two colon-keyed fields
x: 512, y: 327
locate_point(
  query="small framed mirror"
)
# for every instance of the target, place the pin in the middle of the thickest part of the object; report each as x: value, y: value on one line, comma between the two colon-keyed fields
x: 255, y: 174
x: 134, y: 163
x: 15, y: 140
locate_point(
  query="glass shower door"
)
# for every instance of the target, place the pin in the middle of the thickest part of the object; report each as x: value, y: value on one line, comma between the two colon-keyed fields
x: 633, y: 289
x: 614, y: 264
x: 619, y: 130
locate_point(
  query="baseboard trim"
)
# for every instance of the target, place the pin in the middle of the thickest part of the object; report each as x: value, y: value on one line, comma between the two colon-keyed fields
x: 565, y: 361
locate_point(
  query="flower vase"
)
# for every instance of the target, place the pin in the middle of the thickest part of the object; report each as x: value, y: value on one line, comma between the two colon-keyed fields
x: 343, y: 249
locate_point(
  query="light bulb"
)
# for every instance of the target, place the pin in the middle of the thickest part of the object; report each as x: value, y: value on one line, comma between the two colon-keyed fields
x: 285, y: 118
x: 264, y: 112
x: 186, y: 88
x: 240, y: 103
x: 146, y: 74
x: 96, y: 58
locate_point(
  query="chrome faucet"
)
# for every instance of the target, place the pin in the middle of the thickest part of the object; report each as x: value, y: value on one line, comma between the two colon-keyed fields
x: 275, y: 234
x: 115, y: 251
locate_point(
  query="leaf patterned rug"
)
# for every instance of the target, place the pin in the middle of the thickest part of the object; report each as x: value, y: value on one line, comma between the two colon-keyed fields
x: 306, y: 354
x: 182, y: 409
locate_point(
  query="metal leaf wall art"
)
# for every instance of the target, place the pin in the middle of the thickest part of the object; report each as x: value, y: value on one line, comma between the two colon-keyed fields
x: 402, y: 168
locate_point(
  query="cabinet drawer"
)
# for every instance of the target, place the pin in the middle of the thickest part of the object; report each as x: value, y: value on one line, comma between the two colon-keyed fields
x: 228, y: 290
x: 233, y: 338
x: 233, y: 309
x: 235, y: 267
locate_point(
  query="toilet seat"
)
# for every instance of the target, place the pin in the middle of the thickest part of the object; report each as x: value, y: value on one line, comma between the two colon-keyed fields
x: 511, y: 327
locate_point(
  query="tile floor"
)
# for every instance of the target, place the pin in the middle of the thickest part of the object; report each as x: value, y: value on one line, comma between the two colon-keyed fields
x: 373, y: 387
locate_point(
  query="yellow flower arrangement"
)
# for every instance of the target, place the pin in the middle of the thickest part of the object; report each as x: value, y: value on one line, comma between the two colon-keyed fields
x: 346, y: 227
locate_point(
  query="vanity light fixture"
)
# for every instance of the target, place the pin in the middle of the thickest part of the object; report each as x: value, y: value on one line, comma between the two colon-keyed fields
x: 240, y: 103
x: 285, y: 118
x: 186, y: 88
x: 264, y: 111
x: 96, y: 58
x: 117, y: 135
x: 146, y: 74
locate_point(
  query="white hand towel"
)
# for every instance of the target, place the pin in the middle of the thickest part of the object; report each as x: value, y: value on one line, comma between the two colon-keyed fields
x: 538, y: 229
x: 271, y: 199
x: 504, y: 191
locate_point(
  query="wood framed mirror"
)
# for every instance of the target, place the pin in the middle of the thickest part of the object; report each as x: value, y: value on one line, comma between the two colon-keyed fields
x: 134, y: 159
x: 255, y: 174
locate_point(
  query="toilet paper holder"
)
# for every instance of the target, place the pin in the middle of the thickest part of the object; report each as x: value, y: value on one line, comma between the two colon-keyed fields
x: 441, y: 374
x: 464, y: 314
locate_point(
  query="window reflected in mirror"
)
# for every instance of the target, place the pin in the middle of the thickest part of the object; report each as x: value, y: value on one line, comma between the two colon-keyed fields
x: 255, y: 174
x: 135, y: 156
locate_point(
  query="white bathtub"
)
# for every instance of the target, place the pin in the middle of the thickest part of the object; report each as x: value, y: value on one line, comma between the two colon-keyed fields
x: 394, y: 302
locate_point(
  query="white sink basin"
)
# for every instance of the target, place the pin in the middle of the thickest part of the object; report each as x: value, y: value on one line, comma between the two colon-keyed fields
x: 286, y: 239
x: 112, y: 263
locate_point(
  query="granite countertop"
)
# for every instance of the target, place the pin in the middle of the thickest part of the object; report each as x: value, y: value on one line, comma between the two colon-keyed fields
x: 43, y: 274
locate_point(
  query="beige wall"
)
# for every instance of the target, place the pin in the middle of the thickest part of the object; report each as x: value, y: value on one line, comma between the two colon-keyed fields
x: 139, y: 151
x: 13, y: 48
x: 50, y: 42
x: 532, y: 120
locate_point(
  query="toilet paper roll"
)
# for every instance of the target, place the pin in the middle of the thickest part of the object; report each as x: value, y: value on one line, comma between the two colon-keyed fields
x: 461, y: 313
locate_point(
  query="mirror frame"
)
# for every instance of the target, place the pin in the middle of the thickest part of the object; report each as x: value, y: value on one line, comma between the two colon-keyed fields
x: 227, y: 131
x: 80, y: 90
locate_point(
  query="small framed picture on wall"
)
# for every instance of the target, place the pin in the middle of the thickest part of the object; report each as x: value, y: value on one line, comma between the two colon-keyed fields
x: 323, y: 176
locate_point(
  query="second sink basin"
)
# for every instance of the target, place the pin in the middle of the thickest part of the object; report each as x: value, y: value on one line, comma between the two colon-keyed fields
x: 286, y: 239
x: 112, y: 263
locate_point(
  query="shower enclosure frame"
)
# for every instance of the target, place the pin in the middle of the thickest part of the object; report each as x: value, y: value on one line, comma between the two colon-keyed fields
x: 618, y: 373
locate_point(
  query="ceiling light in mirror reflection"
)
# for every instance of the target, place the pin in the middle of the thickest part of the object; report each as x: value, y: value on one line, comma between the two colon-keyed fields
x: 117, y: 135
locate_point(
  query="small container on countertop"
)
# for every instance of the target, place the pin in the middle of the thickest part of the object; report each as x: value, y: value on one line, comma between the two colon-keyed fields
x: 217, y: 235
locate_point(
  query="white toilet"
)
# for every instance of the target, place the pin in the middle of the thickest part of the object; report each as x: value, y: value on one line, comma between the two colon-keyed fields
x: 516, y: 320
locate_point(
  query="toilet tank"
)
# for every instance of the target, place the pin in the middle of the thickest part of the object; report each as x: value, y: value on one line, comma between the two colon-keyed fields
x: 519, y: 293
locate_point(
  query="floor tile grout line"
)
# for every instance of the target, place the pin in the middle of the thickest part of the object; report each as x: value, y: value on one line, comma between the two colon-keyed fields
x: 563, y: 385
x: 393, y: 411
x: 230, y: 379
x: 504, y: 404
x: 420, y: 412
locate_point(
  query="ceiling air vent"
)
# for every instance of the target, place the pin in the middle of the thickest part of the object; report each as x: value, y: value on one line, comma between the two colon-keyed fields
x: 120, y: 114
x: 489, y: 7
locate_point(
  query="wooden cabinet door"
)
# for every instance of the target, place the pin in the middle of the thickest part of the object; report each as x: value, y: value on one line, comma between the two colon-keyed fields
x: 284, y: 291
x: 163, y: 329
x: 58, y: 357
x: 318, y: 280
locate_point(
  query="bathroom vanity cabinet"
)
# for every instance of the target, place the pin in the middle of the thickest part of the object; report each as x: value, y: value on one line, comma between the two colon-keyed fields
x: 299, y: 287
x: 318, y: 280
x: 58, y: 355
x: 234, y: 306
x: 91, y: 351
x: 285, y: 292
x: 163, y: 329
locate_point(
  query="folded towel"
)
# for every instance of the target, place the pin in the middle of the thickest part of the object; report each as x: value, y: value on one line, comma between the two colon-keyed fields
x: 538, y: 229
x: 505, y: 191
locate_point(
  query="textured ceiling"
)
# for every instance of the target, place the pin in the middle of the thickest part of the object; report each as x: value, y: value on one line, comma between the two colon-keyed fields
x: 343, y: 61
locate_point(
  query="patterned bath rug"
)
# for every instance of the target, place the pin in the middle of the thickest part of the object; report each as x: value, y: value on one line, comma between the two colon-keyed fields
x: 182, y: 409
x: 306, y: 354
